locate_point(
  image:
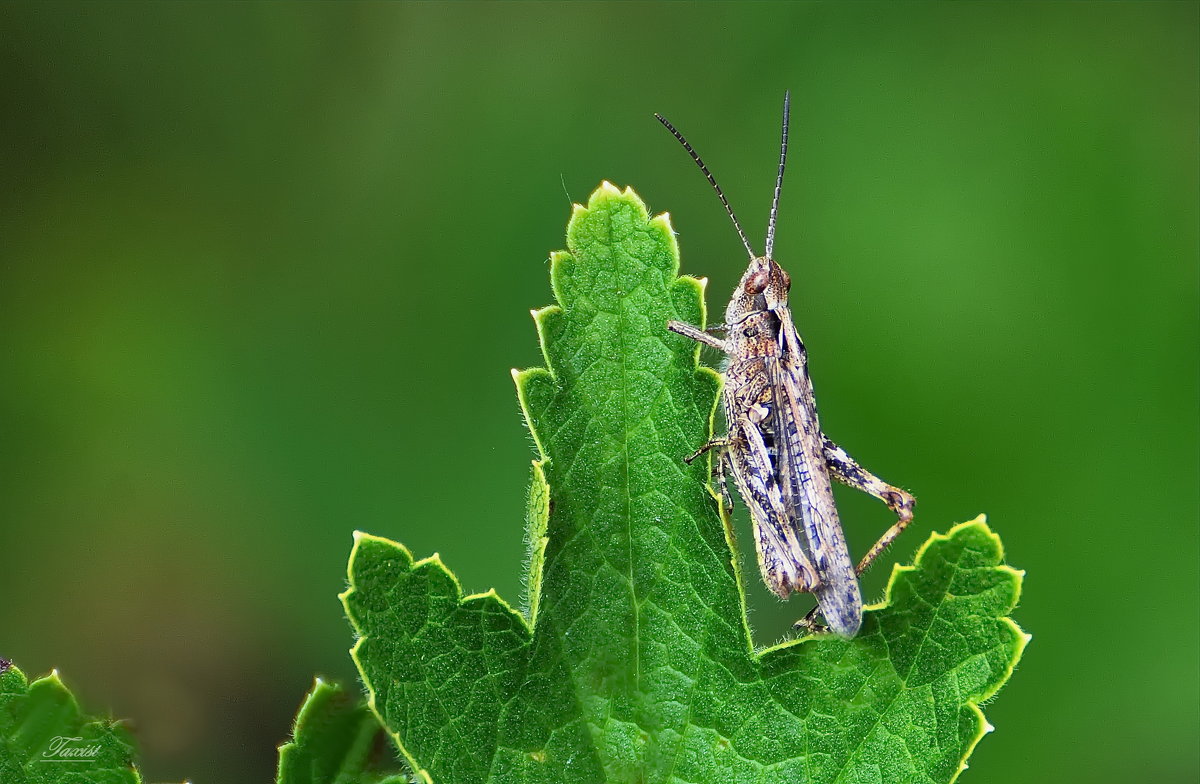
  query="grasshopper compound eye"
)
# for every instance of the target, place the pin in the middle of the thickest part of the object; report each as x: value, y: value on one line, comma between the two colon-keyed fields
x: 756, y: 283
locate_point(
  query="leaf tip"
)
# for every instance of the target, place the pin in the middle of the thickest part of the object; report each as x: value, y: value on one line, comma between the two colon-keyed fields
x: 541, y: 314
x: 606, y: 191
x: 978, y: 524
x: 978, y: 521
x: 362, y: 537
x: 521, y: 376
x: 435, y: 561
x: 490, y: 593
x: 662, y: 221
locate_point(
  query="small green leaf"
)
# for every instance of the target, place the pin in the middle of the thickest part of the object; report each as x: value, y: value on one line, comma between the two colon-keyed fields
x: 45, y: 739
x: 336, y: 740
x: 633, y: 661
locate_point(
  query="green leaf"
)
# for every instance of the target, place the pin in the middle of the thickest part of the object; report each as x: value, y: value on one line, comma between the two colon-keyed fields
x: 633, y: 661
x: 45, y: 739
x: 336, y: 740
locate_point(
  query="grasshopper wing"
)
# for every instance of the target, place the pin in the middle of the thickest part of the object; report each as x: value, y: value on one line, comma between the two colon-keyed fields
x: 805, y: 483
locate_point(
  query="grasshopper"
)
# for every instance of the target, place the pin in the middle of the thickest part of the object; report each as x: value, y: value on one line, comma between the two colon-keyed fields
x: 780, y: 460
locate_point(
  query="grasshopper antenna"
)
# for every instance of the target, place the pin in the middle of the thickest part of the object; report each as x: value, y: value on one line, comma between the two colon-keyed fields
x: 787, y: 107
x: 712, y: 181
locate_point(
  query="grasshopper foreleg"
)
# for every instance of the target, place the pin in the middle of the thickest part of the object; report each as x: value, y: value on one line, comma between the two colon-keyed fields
x: 699, y: 335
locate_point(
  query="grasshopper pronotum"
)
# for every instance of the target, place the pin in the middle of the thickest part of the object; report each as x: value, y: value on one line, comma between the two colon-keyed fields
x: 780, y: 460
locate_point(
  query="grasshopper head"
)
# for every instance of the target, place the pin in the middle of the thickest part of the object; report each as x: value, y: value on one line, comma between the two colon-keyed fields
x: 763, y: 288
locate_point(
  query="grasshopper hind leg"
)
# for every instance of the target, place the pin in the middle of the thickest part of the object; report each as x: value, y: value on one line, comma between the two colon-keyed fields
x: 882, y: 544
x: 844, y: 469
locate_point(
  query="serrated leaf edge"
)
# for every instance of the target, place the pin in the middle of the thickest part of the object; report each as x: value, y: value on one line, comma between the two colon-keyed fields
x: 53, y: 677
x: 521, y: 378
x: 434, y: 561
x: 983, y: 726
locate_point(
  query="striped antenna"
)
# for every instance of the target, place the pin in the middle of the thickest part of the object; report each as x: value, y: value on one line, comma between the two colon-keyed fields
x: 787, y: 110
x: 712, y: 181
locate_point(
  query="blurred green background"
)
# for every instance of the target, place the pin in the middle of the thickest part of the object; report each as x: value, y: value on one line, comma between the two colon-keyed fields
x: 264, y: 269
